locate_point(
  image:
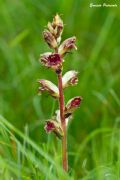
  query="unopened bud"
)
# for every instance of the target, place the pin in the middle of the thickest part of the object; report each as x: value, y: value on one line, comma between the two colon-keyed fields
x: 50, y: 39
x: 50, y: 27
x: 56, y: 27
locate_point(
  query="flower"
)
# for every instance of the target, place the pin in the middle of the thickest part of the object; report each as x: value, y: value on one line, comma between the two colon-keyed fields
x: 52, y: 60
x: 49, y: 87
x: 50, y: 39
x: 70, y: 78
x: 72, y: 105
x: 53, y: 126
x: 67, y: 45
x: 56, y: 27
x: 67, y: 118
x: 49, y: 126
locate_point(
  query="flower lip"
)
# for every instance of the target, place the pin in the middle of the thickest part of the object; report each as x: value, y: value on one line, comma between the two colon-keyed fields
x: 76, y: 102
x: 53, y: 126
x: 52, y: 60
x: 49, y: 126
x: 74, y: 80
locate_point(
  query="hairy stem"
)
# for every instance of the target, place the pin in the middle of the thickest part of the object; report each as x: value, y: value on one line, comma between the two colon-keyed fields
x: 64, y: 138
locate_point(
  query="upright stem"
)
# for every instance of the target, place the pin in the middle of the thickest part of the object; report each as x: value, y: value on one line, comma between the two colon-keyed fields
x: 64, y: 138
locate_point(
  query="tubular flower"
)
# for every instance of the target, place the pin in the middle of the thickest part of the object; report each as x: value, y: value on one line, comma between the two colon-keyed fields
x: 50, y: 39
x: 70, y: 78
x: 56, y: 27
x: 72, y: 105
x: 67, y: 45
x: 67, y: 118
x: 52, y: 60
x: 49, y: 87
x: 53, y: 126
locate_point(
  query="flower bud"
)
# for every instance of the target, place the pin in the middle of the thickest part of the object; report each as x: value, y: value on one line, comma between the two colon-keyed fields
x: 50, y: 39
x: 49, y: 87
x: 57, y: 21
x: 52, y: 60
x: 57, y: 25
x: 50, y: 28
x: 72, y: 105
x: 54, y: 126
x: 70, y: 78
x: 67, y: 45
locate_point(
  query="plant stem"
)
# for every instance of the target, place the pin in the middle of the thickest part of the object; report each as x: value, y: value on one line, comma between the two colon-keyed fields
x: 63, y: 124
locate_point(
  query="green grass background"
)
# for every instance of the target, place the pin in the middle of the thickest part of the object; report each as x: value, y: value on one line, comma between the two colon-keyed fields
x: 26, y: 151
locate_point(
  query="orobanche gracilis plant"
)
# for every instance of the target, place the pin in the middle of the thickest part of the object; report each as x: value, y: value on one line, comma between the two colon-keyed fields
x: 54, y: 60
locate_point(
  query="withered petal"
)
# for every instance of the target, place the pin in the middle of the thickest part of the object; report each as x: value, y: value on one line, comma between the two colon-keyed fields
x: 50, y: 87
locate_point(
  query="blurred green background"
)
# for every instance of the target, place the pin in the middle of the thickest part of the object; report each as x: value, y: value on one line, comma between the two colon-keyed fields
x: 92, y: 143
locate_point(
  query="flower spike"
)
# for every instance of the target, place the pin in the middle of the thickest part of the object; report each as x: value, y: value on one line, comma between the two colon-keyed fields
x: 54, y: 60
x: 50, y: 87
x: 70, y: 78
x: 67, y: 45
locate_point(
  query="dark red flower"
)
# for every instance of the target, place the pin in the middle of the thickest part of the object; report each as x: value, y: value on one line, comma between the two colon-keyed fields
x: 52, y: 60
x: 55, y: 127
x: 49, y: 126
x: 73, y: 104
